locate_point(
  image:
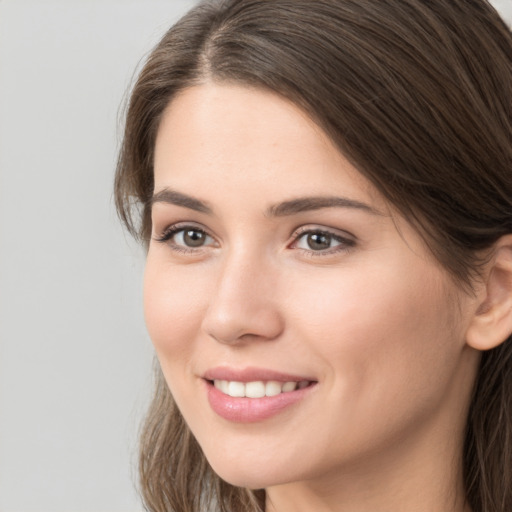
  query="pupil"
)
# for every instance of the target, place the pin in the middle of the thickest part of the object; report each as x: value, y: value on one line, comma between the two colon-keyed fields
x: 319, y: 241
x: 194, y: 238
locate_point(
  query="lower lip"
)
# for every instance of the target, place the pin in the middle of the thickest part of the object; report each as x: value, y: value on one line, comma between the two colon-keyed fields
x: 250, y: 410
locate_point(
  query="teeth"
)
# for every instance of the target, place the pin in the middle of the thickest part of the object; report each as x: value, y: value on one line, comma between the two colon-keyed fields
x: 236, y: 389
x: 273, y: 388
x: 257, y: 389
x: 289, y: 386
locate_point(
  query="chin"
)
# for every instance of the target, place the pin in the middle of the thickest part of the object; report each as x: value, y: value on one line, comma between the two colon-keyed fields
x: 251, y: 474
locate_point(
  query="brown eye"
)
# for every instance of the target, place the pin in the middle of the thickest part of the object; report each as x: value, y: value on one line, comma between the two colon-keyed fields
x: 319, y: 241
x: 322, y: 242
x: 186, y: 238
x: 193, y: 237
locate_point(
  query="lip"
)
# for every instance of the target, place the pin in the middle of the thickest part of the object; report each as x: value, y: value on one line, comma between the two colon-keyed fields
x: 251, y: 374
x: 251, y: 410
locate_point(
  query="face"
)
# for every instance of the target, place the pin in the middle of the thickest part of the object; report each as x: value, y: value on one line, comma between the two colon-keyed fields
x: 301, y: 325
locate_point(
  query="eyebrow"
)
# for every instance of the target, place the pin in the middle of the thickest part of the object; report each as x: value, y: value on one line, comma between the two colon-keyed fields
x: 305, y: 204
x: 177, y: 198
x: 286, y: 208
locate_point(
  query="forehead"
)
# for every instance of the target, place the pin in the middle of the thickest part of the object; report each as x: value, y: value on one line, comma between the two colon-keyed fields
x: 239, y: 140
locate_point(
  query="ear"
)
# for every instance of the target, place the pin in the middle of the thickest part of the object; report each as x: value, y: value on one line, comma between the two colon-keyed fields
x: 491, y: 324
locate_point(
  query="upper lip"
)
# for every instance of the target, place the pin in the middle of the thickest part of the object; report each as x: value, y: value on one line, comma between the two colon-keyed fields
x: 252, y: 374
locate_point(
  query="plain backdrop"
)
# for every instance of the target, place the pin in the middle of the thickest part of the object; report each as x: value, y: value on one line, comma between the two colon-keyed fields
x: 75, y: 361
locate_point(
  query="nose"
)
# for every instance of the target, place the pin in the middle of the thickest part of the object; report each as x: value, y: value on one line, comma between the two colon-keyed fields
x: 244, y: 305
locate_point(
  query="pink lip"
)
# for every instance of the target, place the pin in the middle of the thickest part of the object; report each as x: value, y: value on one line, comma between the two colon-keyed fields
x: 250, y: 410
x: 251, y: 374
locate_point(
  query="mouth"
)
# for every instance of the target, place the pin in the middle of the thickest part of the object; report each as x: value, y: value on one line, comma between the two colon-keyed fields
x: 254, y: 395
x: 258, y: 388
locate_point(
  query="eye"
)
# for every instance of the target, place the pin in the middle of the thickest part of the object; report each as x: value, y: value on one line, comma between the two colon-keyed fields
x: 191, y: 238
x: 186, y: 238
x: 321, y: 241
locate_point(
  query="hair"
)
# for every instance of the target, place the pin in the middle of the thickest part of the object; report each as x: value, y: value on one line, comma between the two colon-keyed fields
x: 417, y: 94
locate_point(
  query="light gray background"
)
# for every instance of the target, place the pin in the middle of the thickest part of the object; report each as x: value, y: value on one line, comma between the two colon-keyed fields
x: 74, y: 356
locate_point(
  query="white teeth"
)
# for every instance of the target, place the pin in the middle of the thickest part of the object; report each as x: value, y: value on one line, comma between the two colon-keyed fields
x: 257, y: 389
x: 236, y: 389
x: 273, y: 388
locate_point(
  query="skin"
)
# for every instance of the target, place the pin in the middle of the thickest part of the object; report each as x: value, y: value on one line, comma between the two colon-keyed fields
x: 374, y: 319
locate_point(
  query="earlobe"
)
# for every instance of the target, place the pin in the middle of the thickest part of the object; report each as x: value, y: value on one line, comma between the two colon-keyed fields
x: 491, y: 324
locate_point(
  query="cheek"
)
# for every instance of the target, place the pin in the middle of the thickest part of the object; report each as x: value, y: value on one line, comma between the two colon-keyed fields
x: 173, y: 309
x: 365, y: 308
x: 388, y: 349
x: 380, y: 333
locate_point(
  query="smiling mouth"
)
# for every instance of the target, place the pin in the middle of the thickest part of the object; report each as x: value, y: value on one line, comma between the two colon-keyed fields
x: 258, y: 389
x: 251, y: 395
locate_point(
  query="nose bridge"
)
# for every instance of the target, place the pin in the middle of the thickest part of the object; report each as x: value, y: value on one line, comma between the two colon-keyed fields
x: 243, y: 303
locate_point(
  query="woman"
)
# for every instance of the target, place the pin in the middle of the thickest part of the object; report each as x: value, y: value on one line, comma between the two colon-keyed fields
x: 326, y: 198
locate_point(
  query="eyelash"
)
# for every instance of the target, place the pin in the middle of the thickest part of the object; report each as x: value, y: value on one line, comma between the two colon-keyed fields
x: 345, y: 243
x: 171, y: 231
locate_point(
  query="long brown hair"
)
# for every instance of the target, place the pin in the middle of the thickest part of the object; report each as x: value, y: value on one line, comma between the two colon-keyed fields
x: 417, y: 94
